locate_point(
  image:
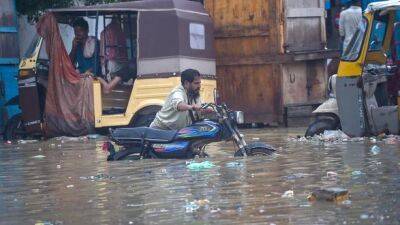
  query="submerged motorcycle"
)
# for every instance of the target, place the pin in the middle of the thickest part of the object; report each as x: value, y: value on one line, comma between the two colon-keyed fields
x: 188, y: 142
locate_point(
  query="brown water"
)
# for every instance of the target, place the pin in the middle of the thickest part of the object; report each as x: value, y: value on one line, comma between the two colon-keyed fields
x: 70, y: 182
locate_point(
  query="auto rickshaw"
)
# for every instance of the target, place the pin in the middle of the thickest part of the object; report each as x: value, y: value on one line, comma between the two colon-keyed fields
x: 359, y: 101
x: 163, y: 38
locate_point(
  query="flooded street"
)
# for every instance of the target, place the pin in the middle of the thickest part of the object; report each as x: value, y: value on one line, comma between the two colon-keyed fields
x: 69, y: 181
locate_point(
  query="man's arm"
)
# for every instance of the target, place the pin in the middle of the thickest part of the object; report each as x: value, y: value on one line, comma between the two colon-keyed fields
x: 341, y: 25
x: 72, y: 54
x: 185, y: 107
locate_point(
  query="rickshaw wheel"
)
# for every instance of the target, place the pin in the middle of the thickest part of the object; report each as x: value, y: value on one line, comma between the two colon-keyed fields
x: 144, y: 120
x: 321, y: 125
x: 14, y: 129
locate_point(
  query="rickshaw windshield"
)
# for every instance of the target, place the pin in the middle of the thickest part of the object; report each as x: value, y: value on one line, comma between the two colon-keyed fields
x: 29, y: 53
x: 378, y: 33
x: 353, y: 50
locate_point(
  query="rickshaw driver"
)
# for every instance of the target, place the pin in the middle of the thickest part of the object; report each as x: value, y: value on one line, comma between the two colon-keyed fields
x: 181, y: 104
x: 85, y: 49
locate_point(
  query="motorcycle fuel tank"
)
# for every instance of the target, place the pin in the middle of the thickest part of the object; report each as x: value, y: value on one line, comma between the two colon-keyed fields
x: 205, y: 129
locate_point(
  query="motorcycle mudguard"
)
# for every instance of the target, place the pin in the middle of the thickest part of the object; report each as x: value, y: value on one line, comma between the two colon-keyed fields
x: 328, y: 107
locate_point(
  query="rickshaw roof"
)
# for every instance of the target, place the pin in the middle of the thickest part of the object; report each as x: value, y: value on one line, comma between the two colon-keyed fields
x: 383, y: 6
x: 144, y: 5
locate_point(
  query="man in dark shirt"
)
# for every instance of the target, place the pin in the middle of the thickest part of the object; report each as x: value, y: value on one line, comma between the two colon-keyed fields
x: 85, y: 49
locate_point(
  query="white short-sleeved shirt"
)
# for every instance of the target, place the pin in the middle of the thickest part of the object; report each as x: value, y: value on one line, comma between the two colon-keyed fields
x: 169, y: 117
x: 348, y: 23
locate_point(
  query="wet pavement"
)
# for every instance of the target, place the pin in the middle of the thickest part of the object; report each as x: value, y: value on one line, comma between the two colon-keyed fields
x: 69, y: 181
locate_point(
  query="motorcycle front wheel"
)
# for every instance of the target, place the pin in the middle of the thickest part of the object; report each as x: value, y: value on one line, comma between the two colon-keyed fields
x: 256, y: 149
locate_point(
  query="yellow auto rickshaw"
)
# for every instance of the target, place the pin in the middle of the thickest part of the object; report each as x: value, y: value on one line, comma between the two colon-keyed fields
x: 360, y: 103
x: 163, y: 38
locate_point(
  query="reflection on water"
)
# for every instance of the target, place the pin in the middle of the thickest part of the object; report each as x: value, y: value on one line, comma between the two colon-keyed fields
x: 68, y: 181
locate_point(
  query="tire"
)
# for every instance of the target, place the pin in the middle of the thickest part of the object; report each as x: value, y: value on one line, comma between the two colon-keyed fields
x: 321, y: 125
x: 144, y: 120
x: 256, y: 149
x: 14, y: 129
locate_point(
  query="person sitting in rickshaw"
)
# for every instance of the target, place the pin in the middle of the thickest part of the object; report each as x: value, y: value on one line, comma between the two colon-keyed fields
x: 114, y: 56
x: 85, y: 51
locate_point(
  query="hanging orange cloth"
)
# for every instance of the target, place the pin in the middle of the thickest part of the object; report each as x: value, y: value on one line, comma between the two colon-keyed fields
x: 69, y: 99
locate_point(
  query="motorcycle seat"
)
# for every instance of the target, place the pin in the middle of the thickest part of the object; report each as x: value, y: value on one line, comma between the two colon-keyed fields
x: 144, y: 133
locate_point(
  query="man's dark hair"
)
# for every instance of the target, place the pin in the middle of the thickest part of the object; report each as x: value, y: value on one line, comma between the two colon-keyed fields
x: 189, y: 75
x: 80, y: 22
x: 355, y: 2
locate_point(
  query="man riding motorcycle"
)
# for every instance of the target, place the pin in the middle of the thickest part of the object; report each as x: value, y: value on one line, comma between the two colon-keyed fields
x: 183, y: 105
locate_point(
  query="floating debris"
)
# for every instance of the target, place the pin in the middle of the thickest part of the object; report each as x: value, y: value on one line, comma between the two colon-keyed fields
x: 356, y: 173
x: 93, y: 136
x: 195, y: 205
x: 96, y: 177
x: 199, y: 166
x: 288, y: 194
x: 364, y: 216
x: 70, y: 186
x: 375, y: 150
x: 335, y: 136
x: 331, y: 174
x: 331, y: 194
x: 234, y: 165
x: 39, y: 157
x: 331, y: 135
x: 295, y: 176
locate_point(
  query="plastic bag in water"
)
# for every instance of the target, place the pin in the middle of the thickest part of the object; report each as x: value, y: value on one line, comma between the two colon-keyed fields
x: 200, y: 166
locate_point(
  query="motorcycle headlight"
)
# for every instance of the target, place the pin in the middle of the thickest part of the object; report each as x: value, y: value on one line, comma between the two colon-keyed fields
x: 239, y: 117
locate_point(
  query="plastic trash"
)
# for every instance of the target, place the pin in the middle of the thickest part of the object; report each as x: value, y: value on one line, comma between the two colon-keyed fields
x: 93, y: 136
x: 39, y: 157
x: 295, y: 176
x: 191, y: 207
x: 195, y: 205
x: 200, y: 166
x: 288, y: 194
x: 356, y: 173
x: 331, y: 174
x: 70, y: 186
x: 375, y: 150
x: 364, y: 216
x: 330, y: 135
x: 43, y: 223
x: 331, y: 194
x: 27, y: 141
x: 234, y: 165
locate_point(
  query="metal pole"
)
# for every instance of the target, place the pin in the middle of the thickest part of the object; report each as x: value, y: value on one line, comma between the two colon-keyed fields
x: 96, y: 57
x: 130, y: 34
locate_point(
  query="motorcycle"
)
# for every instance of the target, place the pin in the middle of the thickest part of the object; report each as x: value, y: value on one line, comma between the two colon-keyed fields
x: 188, y: 142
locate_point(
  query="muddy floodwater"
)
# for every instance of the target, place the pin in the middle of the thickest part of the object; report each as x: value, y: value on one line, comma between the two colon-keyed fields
x: 69, y: 181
